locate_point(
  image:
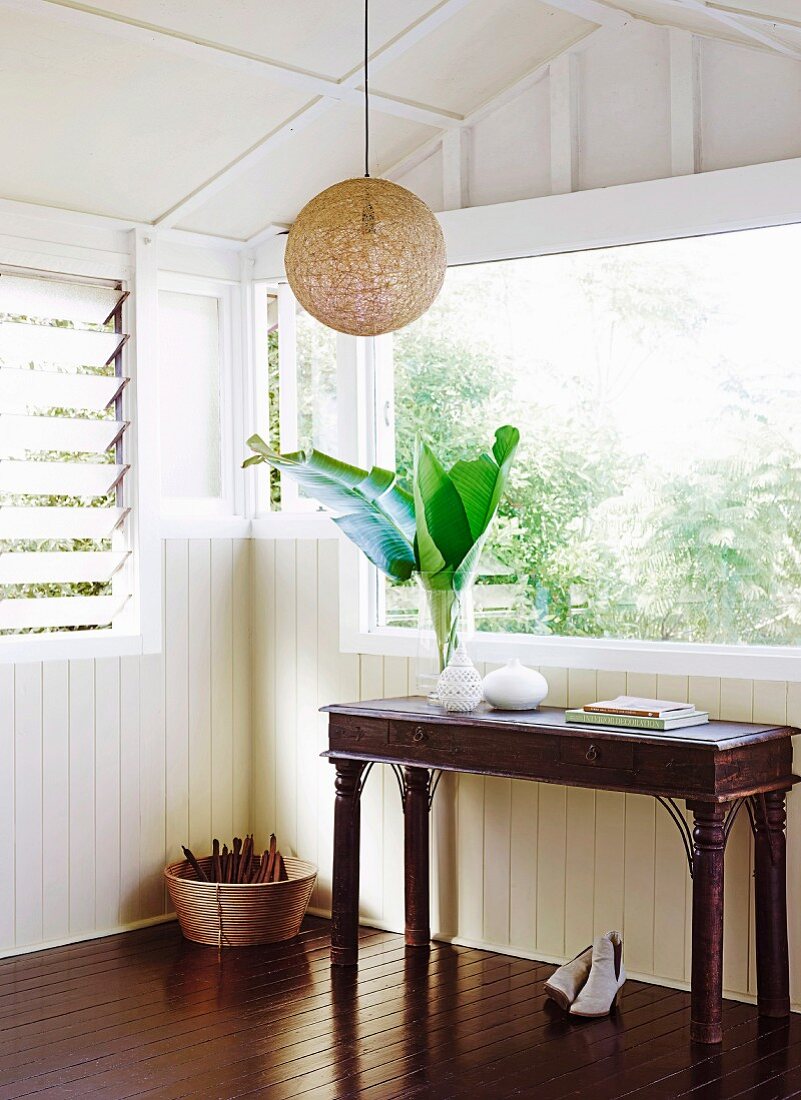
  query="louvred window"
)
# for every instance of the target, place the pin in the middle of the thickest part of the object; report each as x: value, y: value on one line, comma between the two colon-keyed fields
x: 64, y: 552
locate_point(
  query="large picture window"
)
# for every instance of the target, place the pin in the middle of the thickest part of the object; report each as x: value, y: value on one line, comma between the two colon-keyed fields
x: 657, y: 492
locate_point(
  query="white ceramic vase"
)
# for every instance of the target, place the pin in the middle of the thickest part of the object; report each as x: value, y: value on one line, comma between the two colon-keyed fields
x: 515, y: 687
x: 459, y: 685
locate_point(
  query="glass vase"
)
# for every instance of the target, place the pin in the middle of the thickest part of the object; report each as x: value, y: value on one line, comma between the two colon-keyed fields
x: 445, y: 619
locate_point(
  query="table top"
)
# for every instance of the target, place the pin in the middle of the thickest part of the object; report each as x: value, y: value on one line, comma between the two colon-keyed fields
x: 714, y: 735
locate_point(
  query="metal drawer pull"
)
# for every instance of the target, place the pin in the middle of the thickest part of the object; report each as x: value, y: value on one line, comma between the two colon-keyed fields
x: 418, y: 735
x: 592, y: 753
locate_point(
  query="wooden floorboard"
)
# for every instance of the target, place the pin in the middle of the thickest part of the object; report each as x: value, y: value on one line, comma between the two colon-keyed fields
x: 148, y: 1014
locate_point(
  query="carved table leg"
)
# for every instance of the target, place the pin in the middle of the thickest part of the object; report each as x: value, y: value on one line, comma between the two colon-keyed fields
x: 770, y: 897
x: 707, y: 963
x: 345, y: 886
x: 415, y: 818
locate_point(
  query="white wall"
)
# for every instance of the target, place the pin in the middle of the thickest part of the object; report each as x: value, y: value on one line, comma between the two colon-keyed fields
x: 107, y: 766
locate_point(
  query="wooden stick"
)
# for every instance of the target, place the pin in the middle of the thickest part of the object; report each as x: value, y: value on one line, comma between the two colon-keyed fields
x: 271, y: 861
x: 235, y: 859
x: 261, y: 873
x: 216, y: 869
x: 247, y: 860
x: 224, y: 861
x: 279, y: 870
x: 201, y: 874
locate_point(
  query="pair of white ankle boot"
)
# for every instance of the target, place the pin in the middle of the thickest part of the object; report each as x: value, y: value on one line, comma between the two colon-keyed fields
x: 589, y: 984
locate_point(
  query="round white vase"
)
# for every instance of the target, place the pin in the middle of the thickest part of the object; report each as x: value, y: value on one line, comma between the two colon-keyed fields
x: 515, y: 687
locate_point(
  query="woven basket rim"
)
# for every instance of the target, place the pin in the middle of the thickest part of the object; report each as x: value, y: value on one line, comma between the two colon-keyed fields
x: 171, y: 872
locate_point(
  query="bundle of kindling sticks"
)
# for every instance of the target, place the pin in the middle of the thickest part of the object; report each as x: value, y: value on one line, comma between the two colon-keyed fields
x: 240, y: 864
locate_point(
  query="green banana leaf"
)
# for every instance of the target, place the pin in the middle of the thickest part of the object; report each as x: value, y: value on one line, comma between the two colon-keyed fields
x: 374, y: 511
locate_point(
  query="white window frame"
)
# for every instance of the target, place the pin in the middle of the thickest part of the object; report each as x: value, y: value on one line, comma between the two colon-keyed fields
x: 698, y: 205
x: 130, y: 259
x: 176, y: 509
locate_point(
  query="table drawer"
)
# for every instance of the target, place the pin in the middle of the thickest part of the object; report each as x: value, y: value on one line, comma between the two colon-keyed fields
x: 422, y: 736
x: 358, y: 734
x: 598, y: 753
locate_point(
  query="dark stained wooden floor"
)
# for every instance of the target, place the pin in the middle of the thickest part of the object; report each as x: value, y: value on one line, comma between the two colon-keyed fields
x: 147, y: 1014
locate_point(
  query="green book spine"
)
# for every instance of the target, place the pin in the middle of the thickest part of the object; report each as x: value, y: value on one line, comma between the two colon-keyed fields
x: 631, y: 721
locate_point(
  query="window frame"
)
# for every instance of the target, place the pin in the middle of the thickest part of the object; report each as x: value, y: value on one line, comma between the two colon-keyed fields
x: 138, y: 628
x: 758, y: 196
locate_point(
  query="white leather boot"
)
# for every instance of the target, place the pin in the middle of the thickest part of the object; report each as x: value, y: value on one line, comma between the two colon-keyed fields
x: 564, y: 984
x: 606, y: 979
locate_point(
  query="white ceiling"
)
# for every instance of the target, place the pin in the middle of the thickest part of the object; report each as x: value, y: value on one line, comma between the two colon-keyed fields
x: 225, y: 117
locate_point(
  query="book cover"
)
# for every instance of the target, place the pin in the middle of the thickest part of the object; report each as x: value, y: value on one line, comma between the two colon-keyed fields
x: 640, y: 707
x: 631, y: 721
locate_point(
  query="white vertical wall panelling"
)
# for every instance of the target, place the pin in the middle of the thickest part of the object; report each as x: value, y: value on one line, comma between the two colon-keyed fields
x: 371, y: 686
x: 130, y: 824
x: 107, y: 787
x: 241, y: 656
x: 82, y: 797
x: 7, y: 806
x: 222, y: 687
x: 176, y: 693
x: 28, y: 803
x: 286, y: 808
x: 262, y: 789
x: 152, y: 808
x: 308, y: 741
x: 55, y: 800
x: 199, y: 691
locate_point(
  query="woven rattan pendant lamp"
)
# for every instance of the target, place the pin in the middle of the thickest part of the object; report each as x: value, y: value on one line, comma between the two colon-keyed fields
x: 365, y: 256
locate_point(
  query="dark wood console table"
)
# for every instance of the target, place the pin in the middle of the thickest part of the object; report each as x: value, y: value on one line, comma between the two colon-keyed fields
x: 716, y: 769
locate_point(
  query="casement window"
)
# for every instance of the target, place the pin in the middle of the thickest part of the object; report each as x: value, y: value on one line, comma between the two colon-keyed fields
x: 65, y: 497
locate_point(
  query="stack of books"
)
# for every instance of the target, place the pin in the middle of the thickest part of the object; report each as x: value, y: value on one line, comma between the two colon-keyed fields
x: 630, y: 712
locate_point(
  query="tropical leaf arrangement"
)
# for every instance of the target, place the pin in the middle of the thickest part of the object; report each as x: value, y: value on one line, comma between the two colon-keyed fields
x: 437, y: 531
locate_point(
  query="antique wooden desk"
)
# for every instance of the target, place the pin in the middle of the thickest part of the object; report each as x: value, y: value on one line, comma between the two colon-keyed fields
x: 716, y: 769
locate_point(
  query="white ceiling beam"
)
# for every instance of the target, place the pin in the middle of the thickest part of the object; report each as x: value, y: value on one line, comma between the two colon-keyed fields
x: 404, y: 41
x: 198, y: 49
x: 563, y: 87
x: 685, y: 103
x: 594, y: 11
x: 736, y: 23
x: 455, y: 169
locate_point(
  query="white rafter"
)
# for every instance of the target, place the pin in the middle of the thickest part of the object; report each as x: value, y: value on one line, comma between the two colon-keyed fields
x: 402, y: 42
x: 184, y: 45
x: 736, y: 23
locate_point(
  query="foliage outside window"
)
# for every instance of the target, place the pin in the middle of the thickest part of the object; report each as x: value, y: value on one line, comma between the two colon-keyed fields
x: 657, y: 490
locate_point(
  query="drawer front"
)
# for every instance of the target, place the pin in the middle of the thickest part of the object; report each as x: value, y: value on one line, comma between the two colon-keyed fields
x: 422, y: 737
x: 597, y: 755
x: 357, y: 734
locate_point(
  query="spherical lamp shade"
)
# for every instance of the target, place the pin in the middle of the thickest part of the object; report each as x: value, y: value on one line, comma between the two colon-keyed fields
x: 365, y: 257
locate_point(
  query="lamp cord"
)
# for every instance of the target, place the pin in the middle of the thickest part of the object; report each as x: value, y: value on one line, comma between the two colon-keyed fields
x: 366, y: 93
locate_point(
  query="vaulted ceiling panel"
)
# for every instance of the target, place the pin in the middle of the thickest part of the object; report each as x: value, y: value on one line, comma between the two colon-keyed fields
x: 113, y: 127
x: 324, y: 152
x: 690, y: 15
x: 466, y: 61
x: 319, y: 36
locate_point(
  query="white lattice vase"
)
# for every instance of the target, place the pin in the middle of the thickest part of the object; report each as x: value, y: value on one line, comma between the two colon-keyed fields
x: 459, y: 685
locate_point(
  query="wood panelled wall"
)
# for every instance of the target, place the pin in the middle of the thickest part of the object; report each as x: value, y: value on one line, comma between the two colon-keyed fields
x: 532, y: 869
x: 107, y: 766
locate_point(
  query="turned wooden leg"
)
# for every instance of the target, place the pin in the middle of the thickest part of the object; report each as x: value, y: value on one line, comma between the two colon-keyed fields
x: 415, y: 817
x: 345, y: 886
x: 707, y: 963
x: 770, y: 898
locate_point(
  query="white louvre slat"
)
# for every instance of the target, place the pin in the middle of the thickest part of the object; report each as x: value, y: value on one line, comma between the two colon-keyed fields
x: 59, y: 611
x: 65, y: 348
x: 21, y: 434
x: 34, y: 567
x: 59, y: 523
x: 21, y: 390
x: 29, y: 296
x: 78, y: 479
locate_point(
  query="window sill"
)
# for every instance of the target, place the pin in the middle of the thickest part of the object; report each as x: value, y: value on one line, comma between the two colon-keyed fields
x: 602, y: 654
x: 66, y: 646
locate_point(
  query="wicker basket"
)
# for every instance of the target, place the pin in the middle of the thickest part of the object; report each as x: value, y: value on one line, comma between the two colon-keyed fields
x: 240, y: 914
